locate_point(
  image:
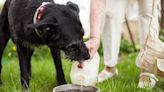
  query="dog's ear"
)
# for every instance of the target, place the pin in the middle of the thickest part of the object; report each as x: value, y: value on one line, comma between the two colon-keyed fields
x: 73, y: 6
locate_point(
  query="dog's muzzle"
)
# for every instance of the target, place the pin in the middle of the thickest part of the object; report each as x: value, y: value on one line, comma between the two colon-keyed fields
x: 77, y: 51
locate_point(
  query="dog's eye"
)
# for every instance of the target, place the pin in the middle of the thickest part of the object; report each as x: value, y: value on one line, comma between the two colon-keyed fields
x: 45, y: 28
x: 48, y: 29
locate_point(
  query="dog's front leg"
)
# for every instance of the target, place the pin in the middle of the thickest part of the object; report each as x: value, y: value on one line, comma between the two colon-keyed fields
x: 57, y: 61
x: 24, y: 55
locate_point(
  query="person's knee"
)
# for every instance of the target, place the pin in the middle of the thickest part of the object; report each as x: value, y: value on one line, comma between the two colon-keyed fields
x: 115, y: 16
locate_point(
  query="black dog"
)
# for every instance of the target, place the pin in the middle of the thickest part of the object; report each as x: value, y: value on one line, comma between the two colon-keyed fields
x: 31, y: 23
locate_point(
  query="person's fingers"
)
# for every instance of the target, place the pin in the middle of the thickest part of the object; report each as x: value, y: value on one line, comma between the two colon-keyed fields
x: 92, y: 47
x: 92, y: 52
x: 89, y: 48
x: 87, y: 45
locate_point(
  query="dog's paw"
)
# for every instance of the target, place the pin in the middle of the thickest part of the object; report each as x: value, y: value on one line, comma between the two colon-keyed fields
x: 26, y: 90
x: 62, y: 83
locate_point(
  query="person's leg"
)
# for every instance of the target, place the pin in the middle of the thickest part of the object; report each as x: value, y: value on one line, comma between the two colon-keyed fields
x: 111, y: 36
x: 145, y: 15
x: 153, y: 48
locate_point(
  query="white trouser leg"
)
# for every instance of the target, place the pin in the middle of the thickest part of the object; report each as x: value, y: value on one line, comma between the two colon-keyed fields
x: 147, y: 12
x: 153, y: 48
x: 111, y: 34
x: 151, y: 56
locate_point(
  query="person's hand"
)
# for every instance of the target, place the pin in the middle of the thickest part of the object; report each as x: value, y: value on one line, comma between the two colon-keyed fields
x: 93, y: 45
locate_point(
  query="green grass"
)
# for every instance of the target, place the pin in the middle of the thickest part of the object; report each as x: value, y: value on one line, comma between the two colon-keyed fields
x: 44, y: 76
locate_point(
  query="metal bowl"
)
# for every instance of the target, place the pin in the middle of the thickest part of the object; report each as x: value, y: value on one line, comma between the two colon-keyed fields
x: 74, y: 88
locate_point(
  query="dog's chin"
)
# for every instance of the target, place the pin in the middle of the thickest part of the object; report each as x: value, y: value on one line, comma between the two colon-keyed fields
x: 75, y: 53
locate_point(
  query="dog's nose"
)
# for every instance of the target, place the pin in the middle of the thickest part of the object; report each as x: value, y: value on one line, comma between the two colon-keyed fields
x: 87, y: 56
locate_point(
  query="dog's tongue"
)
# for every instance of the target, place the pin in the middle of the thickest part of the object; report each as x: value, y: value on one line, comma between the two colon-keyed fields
x: 80, y: 65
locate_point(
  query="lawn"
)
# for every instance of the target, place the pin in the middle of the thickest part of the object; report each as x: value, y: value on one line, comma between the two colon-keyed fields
x: 44, y: 77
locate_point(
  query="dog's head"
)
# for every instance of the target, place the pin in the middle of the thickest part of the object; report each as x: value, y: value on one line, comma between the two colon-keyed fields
x: 61, y: 27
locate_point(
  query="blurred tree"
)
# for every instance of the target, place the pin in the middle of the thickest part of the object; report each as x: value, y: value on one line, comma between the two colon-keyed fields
x: 162, y: 14
x: 162, y: 21
x: 0, y: 8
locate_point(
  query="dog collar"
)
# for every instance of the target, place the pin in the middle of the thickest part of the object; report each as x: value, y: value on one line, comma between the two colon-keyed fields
x: 38, y: 14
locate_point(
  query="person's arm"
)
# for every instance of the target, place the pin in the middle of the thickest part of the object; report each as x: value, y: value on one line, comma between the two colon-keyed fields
x: 97, y: 14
